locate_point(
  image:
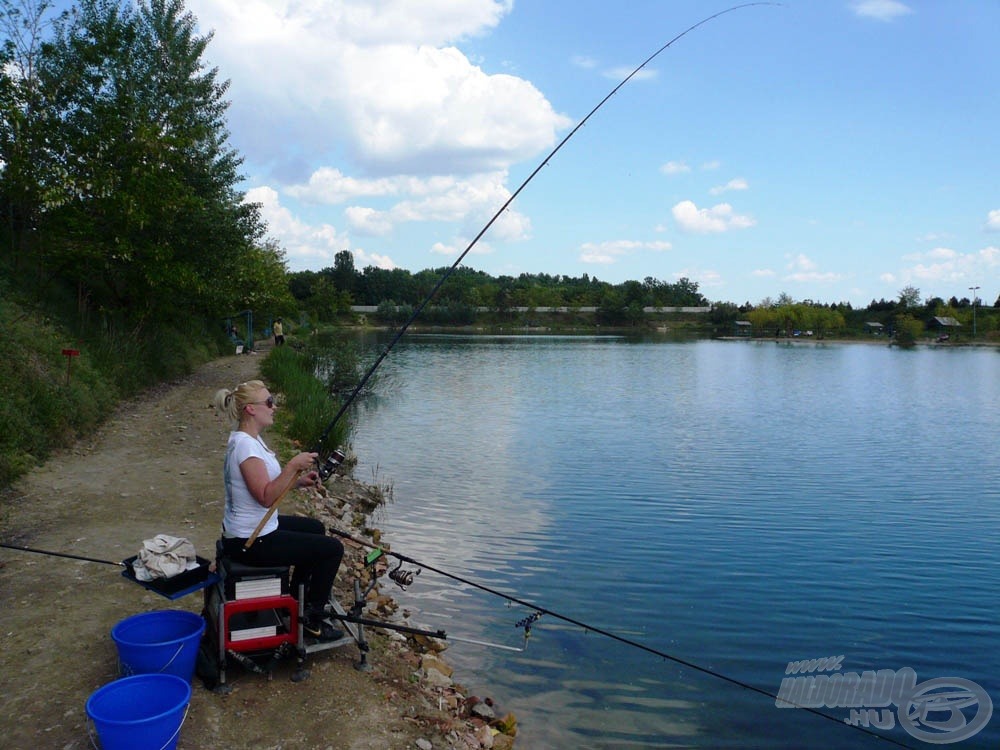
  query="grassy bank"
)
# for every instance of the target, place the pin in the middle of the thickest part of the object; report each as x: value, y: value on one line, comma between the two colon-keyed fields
x: 57, y: 386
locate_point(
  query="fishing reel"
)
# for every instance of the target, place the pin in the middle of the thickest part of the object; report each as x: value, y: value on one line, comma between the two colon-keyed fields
x: 335, y: 459
x: 403, y: 578
x: 397, y: 575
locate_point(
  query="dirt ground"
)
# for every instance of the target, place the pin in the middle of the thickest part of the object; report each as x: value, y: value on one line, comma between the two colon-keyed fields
x: 155, y: 467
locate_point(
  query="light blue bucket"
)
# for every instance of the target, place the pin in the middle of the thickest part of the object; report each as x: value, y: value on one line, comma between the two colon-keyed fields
x: 165, y: 642
x: 143, y: 712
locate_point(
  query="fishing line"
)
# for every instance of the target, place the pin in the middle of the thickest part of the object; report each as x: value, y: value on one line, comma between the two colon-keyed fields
x: 539, y: 611
x: 325, y: 470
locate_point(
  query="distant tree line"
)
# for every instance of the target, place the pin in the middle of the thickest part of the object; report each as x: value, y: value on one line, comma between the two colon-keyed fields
x: 333, y: 290
x: 905, y: 317
x: 395, y: 293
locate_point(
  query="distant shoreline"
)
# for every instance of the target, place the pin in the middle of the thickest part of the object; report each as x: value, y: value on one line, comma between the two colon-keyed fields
x: 803, y: 340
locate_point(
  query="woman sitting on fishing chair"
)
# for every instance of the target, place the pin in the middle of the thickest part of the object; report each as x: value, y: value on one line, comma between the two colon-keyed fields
x: 254, y: 482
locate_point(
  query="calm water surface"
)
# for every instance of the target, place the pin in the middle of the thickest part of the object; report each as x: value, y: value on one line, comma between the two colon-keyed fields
x: 735, y: 505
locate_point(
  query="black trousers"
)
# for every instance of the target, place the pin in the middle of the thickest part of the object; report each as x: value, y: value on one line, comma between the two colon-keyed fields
x: 300, y: 542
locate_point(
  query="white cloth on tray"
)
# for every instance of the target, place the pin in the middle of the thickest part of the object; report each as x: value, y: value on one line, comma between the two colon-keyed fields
x: 164, y: 556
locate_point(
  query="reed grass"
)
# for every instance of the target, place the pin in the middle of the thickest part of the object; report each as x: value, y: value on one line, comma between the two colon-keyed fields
x: 310, y: 409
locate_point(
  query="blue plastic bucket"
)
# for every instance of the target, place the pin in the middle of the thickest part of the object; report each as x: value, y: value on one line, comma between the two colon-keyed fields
x: 143, y: 712
x: 159, y: 642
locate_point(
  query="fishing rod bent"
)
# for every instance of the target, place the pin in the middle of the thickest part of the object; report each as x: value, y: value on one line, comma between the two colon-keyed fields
x: 526, y: 622
x: 540, y: 611
x: 327, y: 469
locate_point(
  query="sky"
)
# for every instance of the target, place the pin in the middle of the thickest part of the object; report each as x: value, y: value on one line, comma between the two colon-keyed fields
x: 829, y: 150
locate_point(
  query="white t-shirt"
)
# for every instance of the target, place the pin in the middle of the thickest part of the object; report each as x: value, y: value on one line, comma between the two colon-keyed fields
x: 243, y: 512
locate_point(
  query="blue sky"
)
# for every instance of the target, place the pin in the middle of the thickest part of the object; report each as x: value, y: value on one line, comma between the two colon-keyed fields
x: 833, y: 150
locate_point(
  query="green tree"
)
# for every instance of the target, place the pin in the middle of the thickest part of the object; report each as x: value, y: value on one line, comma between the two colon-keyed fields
x: 326, y: 301
x: 909, y: 297
x: 724, y: 313
x: 343, y: 275
x: 613, y: 308
x: 908, y: 329
x: 149, y: 221
x: 386, y: 312
x: 26, y: 127
x: 685, y: 293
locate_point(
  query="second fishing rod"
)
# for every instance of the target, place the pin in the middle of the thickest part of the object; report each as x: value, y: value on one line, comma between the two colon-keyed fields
x: 404, y: 578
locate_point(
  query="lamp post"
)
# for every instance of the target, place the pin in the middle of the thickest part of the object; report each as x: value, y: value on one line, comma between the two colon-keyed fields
x: 973, y: 289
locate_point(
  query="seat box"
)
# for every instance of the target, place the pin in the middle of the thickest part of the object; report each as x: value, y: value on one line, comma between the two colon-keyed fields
x: 250, y: 582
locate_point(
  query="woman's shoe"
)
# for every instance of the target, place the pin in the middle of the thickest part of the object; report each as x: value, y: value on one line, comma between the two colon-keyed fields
x: 315, y: 626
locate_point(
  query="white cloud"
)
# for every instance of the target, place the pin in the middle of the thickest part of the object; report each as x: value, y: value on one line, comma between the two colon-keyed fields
x: 708, y: 166
x: 379, y: 83
x: 704, y: 277
x: 607, y: 253
x: 512, y: 226
x: 441, y: 198
x: 800, y: 262
x: 719, y: 218
x: 763, y: 273
x: 675, y: 167
x: 307, y: 246
x: 413, y: 109
x: 395, y: 21
x: 735, y: 184
x: 880, y: 10
x: 581, y: 61
x: 941, y: 253
x: 993, y: 221
x: 370, y: 106
x: 802, y: 268
x: 458, y: 245
x: 368, y: 221
x: 947, y: 267
x: 328, y: 185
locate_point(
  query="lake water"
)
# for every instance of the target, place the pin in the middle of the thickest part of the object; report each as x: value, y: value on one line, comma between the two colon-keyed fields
x: 733, y: 505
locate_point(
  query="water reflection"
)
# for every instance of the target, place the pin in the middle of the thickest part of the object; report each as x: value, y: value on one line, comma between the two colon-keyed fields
x: 736, y: 505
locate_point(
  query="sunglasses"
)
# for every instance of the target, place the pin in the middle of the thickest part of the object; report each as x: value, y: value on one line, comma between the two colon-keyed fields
x: 269, y: 401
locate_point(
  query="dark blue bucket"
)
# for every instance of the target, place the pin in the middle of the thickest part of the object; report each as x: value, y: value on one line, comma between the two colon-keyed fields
x: 159, y: 642
x: 143, y: 712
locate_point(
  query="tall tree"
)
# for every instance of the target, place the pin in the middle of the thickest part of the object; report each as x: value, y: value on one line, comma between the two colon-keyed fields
x: 149, y: 220
x: 24, y: 130
x: 343, y: 276
x: 909, y: 297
